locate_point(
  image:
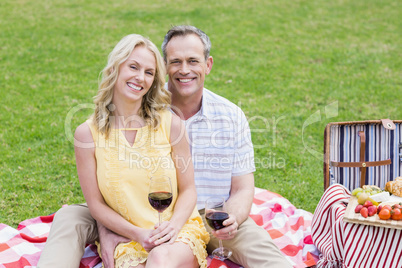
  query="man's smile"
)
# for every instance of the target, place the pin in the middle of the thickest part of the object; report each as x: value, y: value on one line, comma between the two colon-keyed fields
x: 186, y: 80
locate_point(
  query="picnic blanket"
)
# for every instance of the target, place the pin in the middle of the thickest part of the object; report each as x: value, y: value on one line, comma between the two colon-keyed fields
x: 290, y: 228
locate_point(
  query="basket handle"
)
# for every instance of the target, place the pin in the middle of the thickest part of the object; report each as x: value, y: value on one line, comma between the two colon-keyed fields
x: 362, y: 154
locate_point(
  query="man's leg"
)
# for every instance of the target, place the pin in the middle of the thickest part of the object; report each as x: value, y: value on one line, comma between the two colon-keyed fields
x: 73, y: 227
x: 252, y: 247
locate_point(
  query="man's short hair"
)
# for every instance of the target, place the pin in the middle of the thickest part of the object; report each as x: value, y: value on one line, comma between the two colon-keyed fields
x: 183, y: 30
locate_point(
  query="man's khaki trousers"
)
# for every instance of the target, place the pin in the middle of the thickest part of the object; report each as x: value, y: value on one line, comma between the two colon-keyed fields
x: 73, y: 228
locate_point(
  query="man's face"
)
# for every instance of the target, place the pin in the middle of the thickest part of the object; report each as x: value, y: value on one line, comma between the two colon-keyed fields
x: 186, y: 66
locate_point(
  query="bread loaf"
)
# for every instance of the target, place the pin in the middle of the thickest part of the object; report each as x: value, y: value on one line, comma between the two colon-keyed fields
x: 395, y: 187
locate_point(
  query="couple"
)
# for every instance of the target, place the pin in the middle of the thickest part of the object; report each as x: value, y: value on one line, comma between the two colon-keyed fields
x: 132, y: 115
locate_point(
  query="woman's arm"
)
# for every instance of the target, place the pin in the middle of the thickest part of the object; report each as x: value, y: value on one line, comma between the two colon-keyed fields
x: 100, y: 211
x: 187, y: 195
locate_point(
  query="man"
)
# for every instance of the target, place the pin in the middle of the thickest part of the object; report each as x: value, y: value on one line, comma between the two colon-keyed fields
x: 223, y: 159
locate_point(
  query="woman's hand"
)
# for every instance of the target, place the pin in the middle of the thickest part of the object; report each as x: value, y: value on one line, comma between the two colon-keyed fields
x: 146, y: 240
x: 165, y: 233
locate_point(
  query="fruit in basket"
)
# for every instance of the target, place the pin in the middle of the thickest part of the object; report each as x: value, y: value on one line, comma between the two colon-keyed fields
x: 384, y: 214
x: 379, y: 209
x: 375, y: 203
x: 356, y: 191
x: 358, y: 208
x: 364, y: 212
x: 368, y: 204
x: 372, y: 210
x: 396, y: 214
x: 368, y: 189
x: 387, y: 207
x: 362, y: 198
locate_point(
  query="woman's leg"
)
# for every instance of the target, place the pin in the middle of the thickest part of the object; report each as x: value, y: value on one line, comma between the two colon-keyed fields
x: 177, y: 255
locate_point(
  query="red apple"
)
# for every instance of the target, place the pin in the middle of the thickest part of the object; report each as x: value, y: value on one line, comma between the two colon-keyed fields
x: 358, y: 208
x: 372, y: 210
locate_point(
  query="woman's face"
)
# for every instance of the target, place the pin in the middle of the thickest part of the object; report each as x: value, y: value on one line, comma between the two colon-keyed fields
x: 136, y: 75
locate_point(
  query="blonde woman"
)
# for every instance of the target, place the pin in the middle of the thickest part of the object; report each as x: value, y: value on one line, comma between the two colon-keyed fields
x: 132, y: 136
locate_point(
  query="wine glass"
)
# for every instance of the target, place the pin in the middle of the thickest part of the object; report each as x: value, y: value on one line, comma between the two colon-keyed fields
x: 160, y: 194
x: 215, y: 215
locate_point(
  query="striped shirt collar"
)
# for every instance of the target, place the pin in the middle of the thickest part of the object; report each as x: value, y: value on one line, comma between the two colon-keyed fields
x: 204, y: 112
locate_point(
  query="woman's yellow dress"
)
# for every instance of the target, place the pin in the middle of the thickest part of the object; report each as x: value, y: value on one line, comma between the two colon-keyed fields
x: 123, y: 174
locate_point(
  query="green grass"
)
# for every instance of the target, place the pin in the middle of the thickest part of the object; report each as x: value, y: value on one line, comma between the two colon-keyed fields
x: 281, y: 61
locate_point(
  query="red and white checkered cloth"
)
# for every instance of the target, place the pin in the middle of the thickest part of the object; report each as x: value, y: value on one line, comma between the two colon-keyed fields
x: 290, y: 228
x: 351, y: 245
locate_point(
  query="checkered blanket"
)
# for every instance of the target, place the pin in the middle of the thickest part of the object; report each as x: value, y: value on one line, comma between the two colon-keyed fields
x: 290, y: 228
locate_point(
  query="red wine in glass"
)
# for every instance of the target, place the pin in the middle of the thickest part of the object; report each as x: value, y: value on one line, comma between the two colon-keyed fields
x: 160, y: 200
x: 160, y: 194
x: 215, y: 215
x: 215, y: 219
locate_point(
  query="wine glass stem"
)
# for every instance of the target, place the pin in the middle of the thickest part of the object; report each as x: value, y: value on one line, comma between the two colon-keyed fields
x: 160, y: 218
x: 221, y: 246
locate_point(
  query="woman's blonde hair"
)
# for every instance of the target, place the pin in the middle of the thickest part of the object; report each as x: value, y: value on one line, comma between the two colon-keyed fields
x: 156, y: 99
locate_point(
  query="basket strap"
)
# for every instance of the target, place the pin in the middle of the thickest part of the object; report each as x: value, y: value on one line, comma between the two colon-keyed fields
x: 362, y: 164
x: 362, y: 154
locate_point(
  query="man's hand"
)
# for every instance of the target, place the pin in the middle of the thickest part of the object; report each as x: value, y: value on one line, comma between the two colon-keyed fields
x: 230, y: 230
x: 108, y: 241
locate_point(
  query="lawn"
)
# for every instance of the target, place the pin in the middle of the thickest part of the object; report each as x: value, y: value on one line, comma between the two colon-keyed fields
x: 293, y: 66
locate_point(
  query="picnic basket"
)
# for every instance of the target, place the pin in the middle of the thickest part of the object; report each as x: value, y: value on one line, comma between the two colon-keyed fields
x: 360, y: 153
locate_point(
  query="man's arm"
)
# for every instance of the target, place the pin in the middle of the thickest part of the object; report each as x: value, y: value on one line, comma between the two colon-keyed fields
x: 241, y: 197
x: 242, y: 187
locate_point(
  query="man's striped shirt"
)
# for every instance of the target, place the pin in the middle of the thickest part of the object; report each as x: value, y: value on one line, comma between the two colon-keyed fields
x: 221, y: 146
